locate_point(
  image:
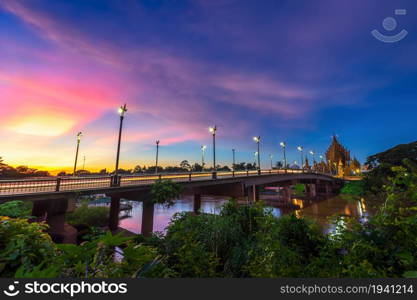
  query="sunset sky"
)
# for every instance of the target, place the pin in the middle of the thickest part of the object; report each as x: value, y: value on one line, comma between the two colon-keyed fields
x: 297, y: 71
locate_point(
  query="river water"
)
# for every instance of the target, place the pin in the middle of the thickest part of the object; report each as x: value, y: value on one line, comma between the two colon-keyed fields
x: 319, y: 210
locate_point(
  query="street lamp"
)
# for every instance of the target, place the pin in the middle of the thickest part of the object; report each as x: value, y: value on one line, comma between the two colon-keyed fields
x: 122, y: 110
x: 283, y: 145
x: 322, y: 163
x: 314, y: 159
x: 157, y: 153
x: 213, y: 132
x: 257, y: 140
x: 270, y: 158
x: 203, y: 151
x: 79, y: 135
x: 299, y: 148
x: 234, y: 161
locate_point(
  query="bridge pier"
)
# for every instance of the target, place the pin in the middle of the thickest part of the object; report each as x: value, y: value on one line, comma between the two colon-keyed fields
x: 311, y: 190
x: 54, y: 211
x: 287, y: 193
x: 114, y: 213
x: 148, y: 208
x: 197, y: 203
x: 252, y: 192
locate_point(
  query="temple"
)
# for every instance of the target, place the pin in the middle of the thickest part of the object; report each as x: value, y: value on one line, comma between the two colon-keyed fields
x: 339, y: 161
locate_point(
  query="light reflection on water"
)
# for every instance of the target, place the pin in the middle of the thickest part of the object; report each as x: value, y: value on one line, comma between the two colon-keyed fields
x: 318, y: 210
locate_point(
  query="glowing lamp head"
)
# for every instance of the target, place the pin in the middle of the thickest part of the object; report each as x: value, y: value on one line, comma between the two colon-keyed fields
x: 311, y: 152
x: 79, y: 135
x: 213, y: 129
x: 203, y: 147
x: 321, y: 156
x: 299, y: 148
x: 257, y: 139
x: 122, y: 110
x: 282, y: 144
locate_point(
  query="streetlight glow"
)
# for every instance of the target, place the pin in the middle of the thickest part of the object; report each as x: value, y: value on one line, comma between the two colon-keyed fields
x: 283, y: 145
x: 257, y: 139
x: 122, y: 110
x: 213, y: 130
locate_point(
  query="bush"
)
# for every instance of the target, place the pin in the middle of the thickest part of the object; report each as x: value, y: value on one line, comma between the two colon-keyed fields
x: 23, y: 244
x: 90, y: 216
x: 355, y: 188
x: 164, y: 191
x: 16, y: 209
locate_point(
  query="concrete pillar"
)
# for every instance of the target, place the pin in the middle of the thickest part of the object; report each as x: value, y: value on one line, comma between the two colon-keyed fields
x: 147, y: 217
x: 197, y: 203
x: 329, y: 189
x: 311, y: 190
x: 114, y: 213
x: 286, y: 193
x: 54, y: 211
x: 253, y: 193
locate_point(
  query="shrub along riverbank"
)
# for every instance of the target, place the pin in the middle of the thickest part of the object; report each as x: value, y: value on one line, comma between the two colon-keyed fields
x: 242, y: 241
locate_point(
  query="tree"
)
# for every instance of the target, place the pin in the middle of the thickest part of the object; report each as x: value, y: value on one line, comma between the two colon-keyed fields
x: 240, y: 166
x: 278, y: 165
x: 185, y: 165
x: 197, y: 167
x: 137, y: 169
x: 394, y: 156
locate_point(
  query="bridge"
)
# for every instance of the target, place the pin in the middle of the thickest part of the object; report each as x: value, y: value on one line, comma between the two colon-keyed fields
x: 53, y: 197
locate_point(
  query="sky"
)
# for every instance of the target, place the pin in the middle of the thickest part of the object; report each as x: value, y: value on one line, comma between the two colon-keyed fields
x: 294, y: 71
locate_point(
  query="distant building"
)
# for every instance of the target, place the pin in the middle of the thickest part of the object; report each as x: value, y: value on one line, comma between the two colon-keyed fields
x: 339, y: 161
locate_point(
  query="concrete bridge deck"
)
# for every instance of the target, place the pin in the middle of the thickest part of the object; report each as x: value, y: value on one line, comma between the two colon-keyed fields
x: 58, y: 187
x: 54, y: 197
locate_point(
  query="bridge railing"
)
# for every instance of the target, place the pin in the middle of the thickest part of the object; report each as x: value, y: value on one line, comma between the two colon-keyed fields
x: 59, y: 184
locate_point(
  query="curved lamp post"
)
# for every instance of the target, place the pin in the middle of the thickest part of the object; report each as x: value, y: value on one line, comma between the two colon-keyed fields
x: 233, y: 157
x: 283, y: 145
x: 213, y: 132
x: 203, y: 151
x: 257, y: 140
x: 122, y: 110
x: 79, y: 135
x: 157, y: 153
x: 314, y: 159
x: 300, y: 148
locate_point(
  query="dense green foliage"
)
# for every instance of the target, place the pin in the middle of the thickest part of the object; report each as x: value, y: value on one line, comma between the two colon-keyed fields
x: 164, y: 191
x: 23, y: 244
x: 355, y: 188
x: 16, y: 209
x: 242, y: 241
x: 89, y: 215
x: 381, y: 165
x: 299, y: 190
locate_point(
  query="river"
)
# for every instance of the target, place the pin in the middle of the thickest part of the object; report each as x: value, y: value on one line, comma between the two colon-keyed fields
x: 319, y: 210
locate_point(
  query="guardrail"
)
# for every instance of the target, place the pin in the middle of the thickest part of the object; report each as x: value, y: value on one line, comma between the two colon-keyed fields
x: 60, y: 184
